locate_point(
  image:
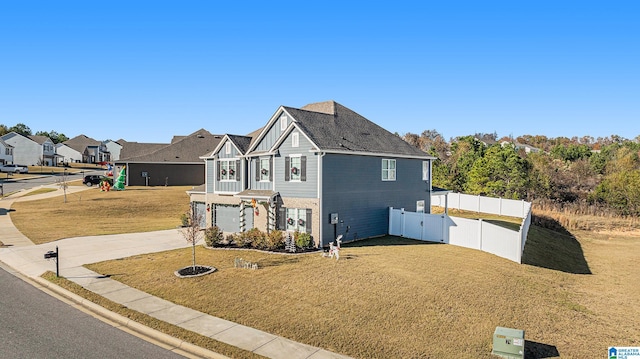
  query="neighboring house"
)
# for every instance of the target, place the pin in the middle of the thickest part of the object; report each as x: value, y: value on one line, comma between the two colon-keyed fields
x: 520, y: 146
x: 92, y: 151
x: 31, y: 150
x: 114, y: 148
x: 322, y: 169
x: 49, y: 156
x: 67, y: 154
x: 175, y: 164
x: 6, y: 153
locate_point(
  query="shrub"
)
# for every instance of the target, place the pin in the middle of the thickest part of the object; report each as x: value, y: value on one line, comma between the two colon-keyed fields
x: 184, y: 219
x: 303, y: 240
x: 233, y: 238
x: 275, y: 240
x: 213, y: 236
x: 256, y: 238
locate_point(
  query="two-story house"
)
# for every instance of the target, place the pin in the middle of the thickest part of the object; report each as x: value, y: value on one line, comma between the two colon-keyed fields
x: 322, y: 169
x: 92, y: 151
x: 6, y: 153
x: 31, y: 150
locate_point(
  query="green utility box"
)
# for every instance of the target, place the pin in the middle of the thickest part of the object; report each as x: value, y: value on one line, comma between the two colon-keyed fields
x: 508, y: 343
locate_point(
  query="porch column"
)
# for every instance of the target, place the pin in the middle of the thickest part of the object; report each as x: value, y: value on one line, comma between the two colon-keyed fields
x: 242, y: 217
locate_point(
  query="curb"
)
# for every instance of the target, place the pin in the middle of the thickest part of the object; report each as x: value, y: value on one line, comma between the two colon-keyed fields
x: 173, y: 344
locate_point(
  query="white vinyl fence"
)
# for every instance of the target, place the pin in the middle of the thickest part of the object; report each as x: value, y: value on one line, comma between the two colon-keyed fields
x: 470, y: 233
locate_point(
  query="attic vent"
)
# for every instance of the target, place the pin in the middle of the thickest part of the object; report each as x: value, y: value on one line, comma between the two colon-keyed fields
x: 365, y: 133
x: 200, y: 136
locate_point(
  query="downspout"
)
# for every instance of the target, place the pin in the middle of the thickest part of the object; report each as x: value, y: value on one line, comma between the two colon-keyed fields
x: 320, y: 209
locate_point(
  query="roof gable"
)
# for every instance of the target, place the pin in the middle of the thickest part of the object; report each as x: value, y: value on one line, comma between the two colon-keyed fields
x: 336, y: 128
x: 80, y: 142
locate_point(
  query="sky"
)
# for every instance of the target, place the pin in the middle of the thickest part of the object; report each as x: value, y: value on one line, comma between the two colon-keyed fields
x: 145, y: 71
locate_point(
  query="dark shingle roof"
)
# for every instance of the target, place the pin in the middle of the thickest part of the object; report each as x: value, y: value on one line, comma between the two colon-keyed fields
x: 187, y: 149
x: 39, y: 139
x: 332, y: 126
x: 137, y: 149
x: 80, y: 142
x: 242, y: 142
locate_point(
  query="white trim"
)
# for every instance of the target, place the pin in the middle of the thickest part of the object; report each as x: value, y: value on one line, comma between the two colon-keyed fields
x: 382, y: 170
x: 284, y: 135
x: 283, y: 119
x: 221, y: 192
x: 375, y: 154
x: 266, y: 127
x: 297, y: 155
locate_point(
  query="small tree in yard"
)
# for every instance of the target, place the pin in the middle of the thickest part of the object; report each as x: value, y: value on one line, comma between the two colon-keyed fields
x: 192, y: 233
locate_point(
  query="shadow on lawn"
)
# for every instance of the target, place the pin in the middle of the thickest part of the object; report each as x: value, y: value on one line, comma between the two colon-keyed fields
x: 551, y: 246
x: 535, y: 350
x: 386, y: 241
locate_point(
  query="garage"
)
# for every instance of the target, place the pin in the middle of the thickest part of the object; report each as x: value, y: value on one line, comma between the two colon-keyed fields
x: 227, y: 217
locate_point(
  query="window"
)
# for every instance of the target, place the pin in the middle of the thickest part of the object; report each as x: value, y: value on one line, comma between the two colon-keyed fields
x: 295, y: 169
x: 295, y: 139
x: 227, y: 170
x: 425, y: 170
x: 227, y: 148
x: 265, y: 169
x: 420, y: 206
x: 283, y: 123
x: 388, y: 170
x: 296, y: 220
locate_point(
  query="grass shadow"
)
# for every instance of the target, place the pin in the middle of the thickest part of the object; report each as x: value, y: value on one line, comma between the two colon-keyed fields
x: 535, y: 350
x: 386, y: 241
x: 551, y: 246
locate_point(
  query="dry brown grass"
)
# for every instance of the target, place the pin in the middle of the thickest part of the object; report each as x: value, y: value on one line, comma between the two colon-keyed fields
x: 92, y: 212
x: 397, y: 298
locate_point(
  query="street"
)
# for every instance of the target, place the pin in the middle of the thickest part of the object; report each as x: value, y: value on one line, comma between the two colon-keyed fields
x: 10, y: 185
x: 36, y: 325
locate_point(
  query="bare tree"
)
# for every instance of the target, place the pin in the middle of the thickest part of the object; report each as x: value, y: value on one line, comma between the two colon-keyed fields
x: 192, y: 233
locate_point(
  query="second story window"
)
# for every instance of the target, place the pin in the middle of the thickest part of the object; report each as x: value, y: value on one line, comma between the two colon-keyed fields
x: 295, y: 168
x: 265, y: 169
x: 227, y: 170
x: 388, y: 169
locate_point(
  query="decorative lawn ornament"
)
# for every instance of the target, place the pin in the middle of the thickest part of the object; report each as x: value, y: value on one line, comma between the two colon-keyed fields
x: 334, y: 249
x: 105, y: 186
x: 119, y: 185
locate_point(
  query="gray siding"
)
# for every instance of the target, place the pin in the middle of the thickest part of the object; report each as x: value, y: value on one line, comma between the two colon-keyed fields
x: 234, y: 186
x: 164, y: 174
x: 302, y: 189
x: 257, y: 184
x: 272, y: 135
x: 353, y: 188
x: 232, y: 154
x: 211, y: 174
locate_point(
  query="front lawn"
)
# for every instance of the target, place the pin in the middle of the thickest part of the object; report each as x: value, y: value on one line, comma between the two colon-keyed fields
x: 397, y: 298
x: 92, y: 212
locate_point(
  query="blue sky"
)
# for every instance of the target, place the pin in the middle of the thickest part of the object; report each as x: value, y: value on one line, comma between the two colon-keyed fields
x: 147, y: 70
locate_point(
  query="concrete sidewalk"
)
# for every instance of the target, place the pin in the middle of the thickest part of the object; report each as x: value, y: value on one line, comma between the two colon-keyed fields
x: 23, y: 256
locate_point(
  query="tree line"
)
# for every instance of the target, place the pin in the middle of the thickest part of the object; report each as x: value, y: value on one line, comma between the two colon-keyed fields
x: 586, y: 174
x: 24, y: 130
